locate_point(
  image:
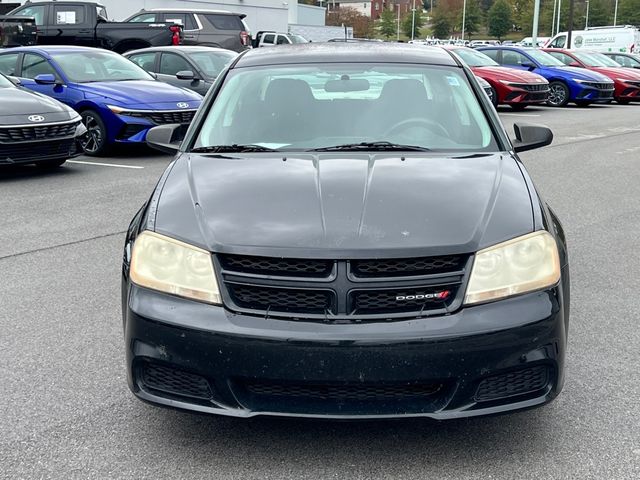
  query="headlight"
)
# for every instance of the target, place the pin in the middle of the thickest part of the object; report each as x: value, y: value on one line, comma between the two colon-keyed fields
x: 168, y: 265
x: 115, y: 109
x: 517, y: 266
x: 577, y: 80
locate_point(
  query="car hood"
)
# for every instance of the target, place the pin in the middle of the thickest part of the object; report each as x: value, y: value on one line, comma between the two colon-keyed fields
x: 508, y: 74
x: 141, y: 94
x: 580, y: 74
x: 337, y: 206
x: 618, y: 72
x: 19, y: 104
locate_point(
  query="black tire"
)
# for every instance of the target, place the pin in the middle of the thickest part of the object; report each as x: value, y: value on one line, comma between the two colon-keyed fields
x: 622, y: 101
x: 51, y: 164
x: 518, y: 107
x: 583, y: 103
x: 494, y: 97
x: 558, y: 94
x: 95, y: 142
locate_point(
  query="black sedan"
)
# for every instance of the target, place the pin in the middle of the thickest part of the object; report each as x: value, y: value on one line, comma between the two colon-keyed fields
x: 36, y: 129
x: 352, y: 237
x: 192, y: 67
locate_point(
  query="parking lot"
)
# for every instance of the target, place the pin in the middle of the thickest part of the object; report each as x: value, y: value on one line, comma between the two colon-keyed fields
x: 66, y: 411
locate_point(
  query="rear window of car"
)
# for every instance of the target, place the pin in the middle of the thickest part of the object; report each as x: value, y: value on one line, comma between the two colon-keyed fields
x: 225, y: 22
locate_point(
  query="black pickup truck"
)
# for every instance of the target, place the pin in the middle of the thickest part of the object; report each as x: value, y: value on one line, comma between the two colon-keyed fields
x: 15, y: 31
x: 87, y: 24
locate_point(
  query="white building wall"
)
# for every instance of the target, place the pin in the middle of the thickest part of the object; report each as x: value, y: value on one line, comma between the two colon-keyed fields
x: 307, y: 14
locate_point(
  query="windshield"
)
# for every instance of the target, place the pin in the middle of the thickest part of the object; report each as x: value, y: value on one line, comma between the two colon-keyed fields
x: 474, y: 58
x: 5, y: 82
x: 594, y: 59
x: 544, y: 59
x: 298, y: 39
x: 98, y: 66
x: 212, y: 63
x: 306, y: 107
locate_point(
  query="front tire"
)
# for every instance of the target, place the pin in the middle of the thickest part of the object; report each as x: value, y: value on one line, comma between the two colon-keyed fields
x: 558, y: 94
x: 95, y: 141
x: 494, y: 97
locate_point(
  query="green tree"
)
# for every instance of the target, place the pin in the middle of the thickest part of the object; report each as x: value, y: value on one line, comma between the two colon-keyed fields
x: 500, y: 19
x: 387, y: 24
x: 629, y: 12
x: 408, y: 23
x: 473, y: 18
x: 441, y: 25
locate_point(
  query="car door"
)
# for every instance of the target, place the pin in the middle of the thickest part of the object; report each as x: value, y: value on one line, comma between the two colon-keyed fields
x: 9, y: 64
x: 145, y: 60
x: 70, y: 25
x: 170, y: 65
x: 221, y: 30
x: 513, y: 59
x: 189, y: 26
x: 33, y: 65
x: 282, y: 40
x: 268, y: 40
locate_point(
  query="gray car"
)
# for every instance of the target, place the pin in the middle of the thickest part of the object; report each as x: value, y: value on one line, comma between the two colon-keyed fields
x: 213, y: 28
x: 192, y: 67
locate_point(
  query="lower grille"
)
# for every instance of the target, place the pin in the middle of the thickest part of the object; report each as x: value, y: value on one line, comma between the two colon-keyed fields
x: 396, y: 301
x: 164, y: 118
x: 21, y: 152
x: 175, y: 382
x: 267, y: 299
x: 346, y: 392
x: 519, y: 382
x: 538, y: 96
x: 45, y: 132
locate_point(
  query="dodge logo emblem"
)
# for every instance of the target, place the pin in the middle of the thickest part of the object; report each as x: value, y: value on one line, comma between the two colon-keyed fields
x: 36, y: 118
x: 183, y: 105
x: 424, y: 296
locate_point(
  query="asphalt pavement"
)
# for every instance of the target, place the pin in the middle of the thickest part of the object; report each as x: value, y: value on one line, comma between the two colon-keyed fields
x: 66, y: 411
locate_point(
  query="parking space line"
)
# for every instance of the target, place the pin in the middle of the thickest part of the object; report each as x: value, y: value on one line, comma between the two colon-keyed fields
x: 116, y: 165
x: 520, y: 114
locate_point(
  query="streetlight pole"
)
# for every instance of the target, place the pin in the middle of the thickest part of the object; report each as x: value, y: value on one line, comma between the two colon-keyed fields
x: 586, y: 20
x: 615, y: 14
x: 413, y: 21
x: 536, y: 19
x: 398, y: 30
x: 558, y: 19
x: 553, y: 18
x: 464, y: 14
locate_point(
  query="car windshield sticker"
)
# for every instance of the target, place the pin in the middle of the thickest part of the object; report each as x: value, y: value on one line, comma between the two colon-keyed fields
x: 453, y: 81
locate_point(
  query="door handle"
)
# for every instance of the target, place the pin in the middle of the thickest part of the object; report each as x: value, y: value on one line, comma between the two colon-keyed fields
x: 190, y: 36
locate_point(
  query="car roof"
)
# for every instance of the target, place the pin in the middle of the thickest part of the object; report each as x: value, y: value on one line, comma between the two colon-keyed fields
x: 341, y: 52
x: 48, y: 49
x: 181, y: 48
x: 188, y: 10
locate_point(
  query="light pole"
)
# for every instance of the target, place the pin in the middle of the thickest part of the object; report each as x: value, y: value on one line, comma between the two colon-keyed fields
x: 558, y: 19
x: 615, y: 14
x: 536, y: 19
x: 413, y: 21
x: 398, y: 30
x: 586, y: 19
x: 464, y: 14
x: 553, y: 18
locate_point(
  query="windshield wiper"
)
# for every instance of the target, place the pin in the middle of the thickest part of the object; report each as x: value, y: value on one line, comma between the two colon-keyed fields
x: 235, y: 148
x: 372, y: 146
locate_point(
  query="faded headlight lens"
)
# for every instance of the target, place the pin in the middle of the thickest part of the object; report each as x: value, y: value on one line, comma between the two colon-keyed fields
x: 171, y: 266
x: 517, y: 266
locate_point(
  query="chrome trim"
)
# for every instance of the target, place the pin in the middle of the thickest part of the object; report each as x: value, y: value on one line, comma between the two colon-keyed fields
x: 34, y: 124
x: 156, y: 111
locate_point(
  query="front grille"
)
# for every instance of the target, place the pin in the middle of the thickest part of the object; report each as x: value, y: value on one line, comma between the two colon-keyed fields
x: 130, y: 130
x: 34, y: 151
x: 267, y: 299
x: 342, y: 393
x: 276, y: 266
x: 400, y: 267
x: 342, y: 290
x: 175, y: 382
x: 599, y: 85
x: 519, y: 382
x: 531, y: 87
x: 166, y: 117
x: 631, y: 82
x: 394, y: 301
x: 538, y: 96
x: 31, y: 133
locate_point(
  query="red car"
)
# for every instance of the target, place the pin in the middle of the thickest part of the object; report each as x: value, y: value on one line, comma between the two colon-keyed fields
x: 510, y: 87
x: 626, y: 81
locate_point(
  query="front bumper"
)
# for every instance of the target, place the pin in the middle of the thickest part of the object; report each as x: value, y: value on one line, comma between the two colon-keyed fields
x: 132, y: 126
x: 486, y: 359
x: 520, y: 96
x: 595, y: 95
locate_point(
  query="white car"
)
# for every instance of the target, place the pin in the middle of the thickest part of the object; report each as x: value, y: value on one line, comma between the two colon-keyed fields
x: 624, y: 39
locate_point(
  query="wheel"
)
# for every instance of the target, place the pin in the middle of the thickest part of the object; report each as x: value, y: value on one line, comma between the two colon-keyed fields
x: 622, y: 101
x: 518, y: 107
x: 583, y: 103
x: 494, y: 97
x: 558, y: 94
x: 50, y: 163
x: 95, y: 141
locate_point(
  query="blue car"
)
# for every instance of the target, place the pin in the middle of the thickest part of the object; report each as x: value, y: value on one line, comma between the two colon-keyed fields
x: 117, y: 100
x: 566, y: 84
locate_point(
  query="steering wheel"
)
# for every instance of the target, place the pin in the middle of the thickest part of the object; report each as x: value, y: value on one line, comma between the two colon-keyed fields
x: 427, y: 124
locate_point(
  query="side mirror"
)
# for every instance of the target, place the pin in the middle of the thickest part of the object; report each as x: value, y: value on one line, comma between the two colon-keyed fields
x: 186, y: 75
x: 16, y: 81
x: 45, y: 79
x: 153, y: 74
x: 530, y: 66
x: 575, y: 64
x: 165, y: 138
x: 529, y: 137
